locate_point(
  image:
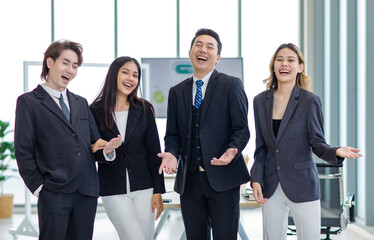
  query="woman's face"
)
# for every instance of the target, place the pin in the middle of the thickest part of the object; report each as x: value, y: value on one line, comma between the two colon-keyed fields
x: 127, y: 79
x: 287, y: 66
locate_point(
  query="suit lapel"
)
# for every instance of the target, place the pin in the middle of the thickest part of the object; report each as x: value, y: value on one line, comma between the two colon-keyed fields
x: 187, y: 92
x: 51, y: 105
x: 132, y: 120
x: 269, y: 112
x: 291, y: 106
x: 74, y: 104
x: 209, y: 93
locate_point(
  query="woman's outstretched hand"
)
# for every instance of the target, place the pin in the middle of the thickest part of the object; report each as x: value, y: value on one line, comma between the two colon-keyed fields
x: 348, y: 152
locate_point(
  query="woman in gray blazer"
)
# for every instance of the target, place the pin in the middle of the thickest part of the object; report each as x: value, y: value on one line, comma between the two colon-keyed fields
x: 289, y: 127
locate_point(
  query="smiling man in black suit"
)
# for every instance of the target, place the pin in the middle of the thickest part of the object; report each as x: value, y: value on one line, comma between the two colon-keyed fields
x: 207, y: 130
x: 54, y: 131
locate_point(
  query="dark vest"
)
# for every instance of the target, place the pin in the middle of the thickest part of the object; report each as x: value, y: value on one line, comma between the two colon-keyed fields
x: 196, y: 153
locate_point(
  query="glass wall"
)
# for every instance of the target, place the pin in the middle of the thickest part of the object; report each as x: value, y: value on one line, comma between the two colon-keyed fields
x: 143, y: 28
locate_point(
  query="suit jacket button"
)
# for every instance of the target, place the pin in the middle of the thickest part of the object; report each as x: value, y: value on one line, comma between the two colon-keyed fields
x: 73, y: 135
x: 278, y: 168
x: 79, y: 154
x: 277, y: 150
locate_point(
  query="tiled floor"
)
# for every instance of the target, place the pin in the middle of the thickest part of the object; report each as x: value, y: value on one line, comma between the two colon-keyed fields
x: 173, y: 228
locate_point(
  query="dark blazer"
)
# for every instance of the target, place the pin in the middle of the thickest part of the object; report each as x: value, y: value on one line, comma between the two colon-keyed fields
x: 138, y: 153
x: 223, y: 125
x: 288, y: 158
x: 52, y: 151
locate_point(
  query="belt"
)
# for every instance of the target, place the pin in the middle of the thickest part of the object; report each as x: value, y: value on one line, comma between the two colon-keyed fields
x: 201, y: 169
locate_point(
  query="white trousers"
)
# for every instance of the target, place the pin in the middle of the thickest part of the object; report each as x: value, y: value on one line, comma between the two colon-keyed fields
x: 306, y: 215
x: 131, y: 214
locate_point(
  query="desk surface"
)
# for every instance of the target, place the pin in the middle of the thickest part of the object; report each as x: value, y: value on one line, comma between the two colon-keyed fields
x: 175, y: 202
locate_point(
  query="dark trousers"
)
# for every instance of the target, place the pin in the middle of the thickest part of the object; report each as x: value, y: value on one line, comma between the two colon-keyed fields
x: 204, y: 209
x: 66, y: 215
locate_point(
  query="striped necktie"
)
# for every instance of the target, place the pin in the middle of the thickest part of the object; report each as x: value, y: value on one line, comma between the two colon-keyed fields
x: 199, y: 94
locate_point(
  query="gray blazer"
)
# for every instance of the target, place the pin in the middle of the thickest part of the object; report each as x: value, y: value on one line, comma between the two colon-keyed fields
x: 287, y: 159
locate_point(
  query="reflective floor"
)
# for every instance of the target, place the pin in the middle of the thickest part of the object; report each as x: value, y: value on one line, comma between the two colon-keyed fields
x: 173, y: 227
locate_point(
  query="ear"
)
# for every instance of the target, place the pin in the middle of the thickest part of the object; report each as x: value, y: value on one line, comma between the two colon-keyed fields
x: 218, y: 58
x: 49, y: 62
x: 301, y: 68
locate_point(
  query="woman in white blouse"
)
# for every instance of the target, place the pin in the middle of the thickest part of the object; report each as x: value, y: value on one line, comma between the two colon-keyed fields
x: 130, y: 185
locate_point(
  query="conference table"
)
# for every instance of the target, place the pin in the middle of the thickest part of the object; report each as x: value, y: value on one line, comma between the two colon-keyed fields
x: 172, y: 203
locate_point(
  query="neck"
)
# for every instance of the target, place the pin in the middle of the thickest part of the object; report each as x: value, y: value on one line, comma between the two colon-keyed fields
x: 200, y: 74
x: 284, y: 89
x: 48, y: 84
x: 122, y: 104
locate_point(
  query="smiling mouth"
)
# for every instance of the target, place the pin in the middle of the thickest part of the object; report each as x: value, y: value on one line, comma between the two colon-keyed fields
x: 127, y: 85
x: 200, y: 58
x: 284, y: 72
x: 66, y: 78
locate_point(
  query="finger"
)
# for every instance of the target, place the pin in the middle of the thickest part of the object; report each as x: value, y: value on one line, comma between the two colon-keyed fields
x: 260, y: 198
x: 160, y: 209
x: 255, y: 195
x: 215, y: 161
x: 161, y: 168
x: 158, y: 213
x: 219, y: 162
x: 356, y: 150
x: 153, y: 206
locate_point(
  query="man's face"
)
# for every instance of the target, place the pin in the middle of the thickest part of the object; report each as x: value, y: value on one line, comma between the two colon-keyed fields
x: 204, y: 55
x: 62, y: 71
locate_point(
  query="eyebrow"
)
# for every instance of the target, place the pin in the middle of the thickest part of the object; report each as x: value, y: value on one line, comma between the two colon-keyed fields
x: 68, y: 60
x: 129, y: 70
x: 209, y: 43
x: 286, y: 57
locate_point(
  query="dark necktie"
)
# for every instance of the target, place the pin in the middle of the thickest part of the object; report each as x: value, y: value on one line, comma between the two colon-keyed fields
x: 64, y: 108
x: 199, y: 94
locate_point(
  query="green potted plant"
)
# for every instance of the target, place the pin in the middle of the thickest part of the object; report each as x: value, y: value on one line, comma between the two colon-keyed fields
x: 7, y: 158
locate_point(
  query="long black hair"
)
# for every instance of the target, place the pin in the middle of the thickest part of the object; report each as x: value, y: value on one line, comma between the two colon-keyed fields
x: 106, y: 100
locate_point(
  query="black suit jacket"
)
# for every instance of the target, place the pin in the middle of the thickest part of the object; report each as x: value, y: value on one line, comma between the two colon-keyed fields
x: 223, y: 125
x: 52, y: 151
x: 288, y: 157
x: 138, y: 153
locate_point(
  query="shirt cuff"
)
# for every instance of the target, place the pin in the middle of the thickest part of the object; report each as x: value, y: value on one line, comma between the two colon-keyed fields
x: 37, y: 191
x: 111, y: 156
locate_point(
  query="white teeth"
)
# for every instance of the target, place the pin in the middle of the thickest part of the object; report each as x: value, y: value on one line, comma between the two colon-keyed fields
x: 202, y: 58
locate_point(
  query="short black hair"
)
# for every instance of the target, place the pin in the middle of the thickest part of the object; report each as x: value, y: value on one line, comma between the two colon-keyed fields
x: 210, y: 32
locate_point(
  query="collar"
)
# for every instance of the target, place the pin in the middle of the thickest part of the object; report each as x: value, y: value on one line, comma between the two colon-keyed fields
x: 205, y: 78
x: 53, y: 92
